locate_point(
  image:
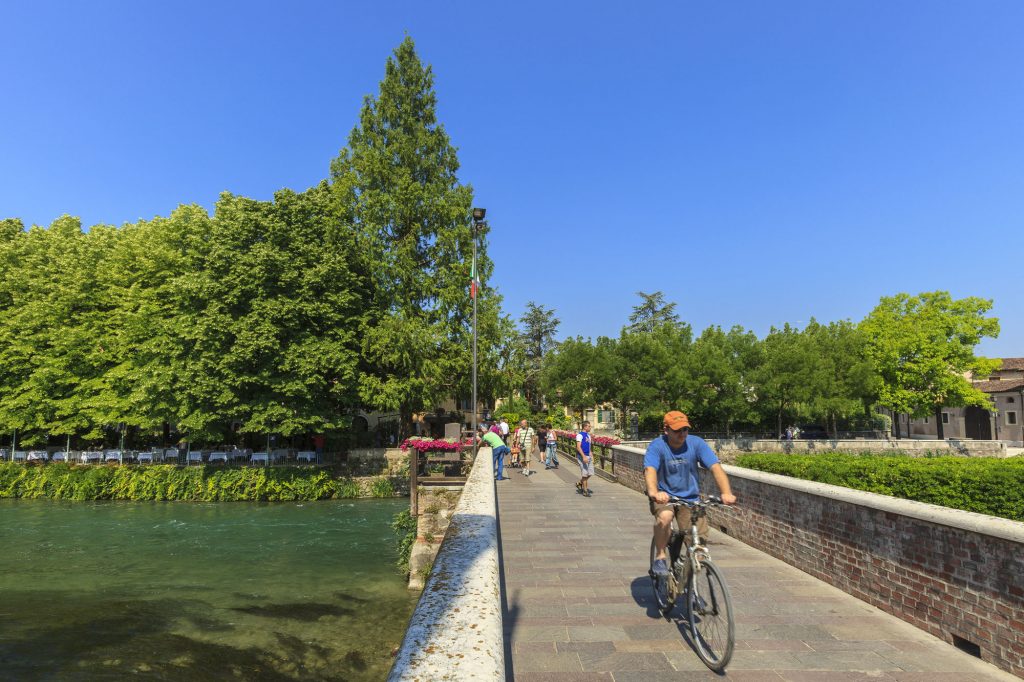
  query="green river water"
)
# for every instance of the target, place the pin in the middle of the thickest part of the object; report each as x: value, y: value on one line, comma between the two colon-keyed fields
x: 183, y: 591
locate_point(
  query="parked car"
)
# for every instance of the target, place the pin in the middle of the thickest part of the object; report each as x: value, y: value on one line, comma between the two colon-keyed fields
x: 812, y: 431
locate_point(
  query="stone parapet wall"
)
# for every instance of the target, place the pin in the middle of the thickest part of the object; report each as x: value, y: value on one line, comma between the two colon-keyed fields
x: 455, y: 633
x: 955, y: 574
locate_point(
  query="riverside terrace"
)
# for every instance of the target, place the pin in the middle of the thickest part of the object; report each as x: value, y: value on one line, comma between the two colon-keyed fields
x: 576, y: 602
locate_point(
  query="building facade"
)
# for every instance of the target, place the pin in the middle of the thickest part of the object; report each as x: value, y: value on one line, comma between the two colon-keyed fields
x: 1005, y: 388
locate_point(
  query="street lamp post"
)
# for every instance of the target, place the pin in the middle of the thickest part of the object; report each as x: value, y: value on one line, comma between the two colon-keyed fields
x: 478, y: 222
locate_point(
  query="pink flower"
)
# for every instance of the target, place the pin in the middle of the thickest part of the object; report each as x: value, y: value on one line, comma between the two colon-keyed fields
x: 428, y: 445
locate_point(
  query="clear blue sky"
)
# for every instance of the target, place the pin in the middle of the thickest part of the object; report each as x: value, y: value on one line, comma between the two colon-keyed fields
x: 759, y: 162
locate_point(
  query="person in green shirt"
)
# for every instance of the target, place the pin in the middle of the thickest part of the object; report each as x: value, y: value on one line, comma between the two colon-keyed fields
x: 498, y: 450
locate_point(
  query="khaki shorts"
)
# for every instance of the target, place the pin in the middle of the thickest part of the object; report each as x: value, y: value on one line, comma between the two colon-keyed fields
x: 682, y: 518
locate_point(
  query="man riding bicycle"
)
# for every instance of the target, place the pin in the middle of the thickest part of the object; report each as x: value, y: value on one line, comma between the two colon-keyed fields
x: 670, y: 471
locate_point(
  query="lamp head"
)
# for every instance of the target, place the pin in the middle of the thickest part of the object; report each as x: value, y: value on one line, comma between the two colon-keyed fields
x: 478, y: 214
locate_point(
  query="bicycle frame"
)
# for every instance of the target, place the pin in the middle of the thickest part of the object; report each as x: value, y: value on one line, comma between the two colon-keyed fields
x: 681, y: 566
x: 694, y: 574
x: 696, y: 551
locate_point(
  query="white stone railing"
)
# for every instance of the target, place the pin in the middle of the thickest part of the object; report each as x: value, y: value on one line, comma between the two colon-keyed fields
x: 455, y: 633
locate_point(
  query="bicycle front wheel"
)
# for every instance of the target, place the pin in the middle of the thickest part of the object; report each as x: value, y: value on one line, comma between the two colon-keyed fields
x: 709, y: 610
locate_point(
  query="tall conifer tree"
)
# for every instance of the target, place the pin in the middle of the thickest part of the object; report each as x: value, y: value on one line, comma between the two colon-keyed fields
x: 396, y: 184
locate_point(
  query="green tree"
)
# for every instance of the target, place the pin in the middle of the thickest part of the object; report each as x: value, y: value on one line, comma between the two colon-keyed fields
x: 844, y: 382
x: 539, y: 326
x: 396, y: 184
x: 53, y: 350
x: 569, y: 375
x: 501, y: 359
x: 784, y: 374
x: 652, y: 311
x: 723, y: 364
x: 282, y: 301
x: 923, y: 346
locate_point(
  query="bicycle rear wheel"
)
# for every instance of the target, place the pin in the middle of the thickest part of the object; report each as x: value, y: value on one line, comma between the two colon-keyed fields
x: 709, y: 610
x: 664, y: 592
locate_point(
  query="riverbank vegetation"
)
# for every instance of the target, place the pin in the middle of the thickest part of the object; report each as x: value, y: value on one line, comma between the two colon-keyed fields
x: 978, y: 484
x: 187, y: 484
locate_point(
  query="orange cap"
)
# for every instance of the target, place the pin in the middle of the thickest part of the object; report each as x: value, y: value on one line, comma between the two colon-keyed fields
x: 676, y: 420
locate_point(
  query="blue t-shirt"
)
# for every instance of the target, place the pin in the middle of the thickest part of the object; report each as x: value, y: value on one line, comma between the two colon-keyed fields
x: 677, y: 469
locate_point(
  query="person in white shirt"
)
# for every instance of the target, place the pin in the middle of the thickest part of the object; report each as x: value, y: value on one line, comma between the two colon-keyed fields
x: 526, y: 438
x: 504, y: 430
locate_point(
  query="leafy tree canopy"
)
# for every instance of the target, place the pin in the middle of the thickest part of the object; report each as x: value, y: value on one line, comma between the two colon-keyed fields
x: 923, y: 346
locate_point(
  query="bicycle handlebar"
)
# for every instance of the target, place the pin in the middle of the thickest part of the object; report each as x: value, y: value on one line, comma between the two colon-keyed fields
x: 710, y: 499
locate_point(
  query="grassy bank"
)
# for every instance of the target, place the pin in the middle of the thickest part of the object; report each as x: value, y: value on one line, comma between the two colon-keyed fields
x: 978, y: 484
x: 186, y: 484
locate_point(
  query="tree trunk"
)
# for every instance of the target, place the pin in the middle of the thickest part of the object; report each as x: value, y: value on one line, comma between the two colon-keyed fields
x: 404, y: 423
x: 778, y: 424
x: 938, y: 422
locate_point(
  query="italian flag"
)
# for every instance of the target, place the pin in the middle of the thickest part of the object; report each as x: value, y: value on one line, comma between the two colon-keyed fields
x: 474, y: 283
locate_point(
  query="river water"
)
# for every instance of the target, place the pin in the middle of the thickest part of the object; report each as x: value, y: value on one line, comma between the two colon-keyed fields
x: 194, y: 591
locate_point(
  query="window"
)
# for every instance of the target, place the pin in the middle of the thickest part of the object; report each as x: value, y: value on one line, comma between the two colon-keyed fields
x: 1009, y: 400
x: 1011, y: 418
x: 945, y: 417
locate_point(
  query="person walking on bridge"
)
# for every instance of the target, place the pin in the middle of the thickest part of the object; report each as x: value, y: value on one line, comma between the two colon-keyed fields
x: 526, y: 438
x: 583, y: 452
x: 551, y: 443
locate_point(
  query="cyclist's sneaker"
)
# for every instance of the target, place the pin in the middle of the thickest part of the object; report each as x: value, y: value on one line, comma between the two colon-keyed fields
x: 660, y: 568
x: 579, y: 486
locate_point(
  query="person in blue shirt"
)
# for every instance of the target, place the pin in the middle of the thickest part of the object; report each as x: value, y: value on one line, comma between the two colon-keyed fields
x: 670, y: 471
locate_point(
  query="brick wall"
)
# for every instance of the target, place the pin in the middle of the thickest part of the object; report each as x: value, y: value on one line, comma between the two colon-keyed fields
x: 954, y: 574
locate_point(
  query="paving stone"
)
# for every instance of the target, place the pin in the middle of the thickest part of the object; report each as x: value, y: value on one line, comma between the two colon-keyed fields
x: 547, y: 662
x: 624, y: 661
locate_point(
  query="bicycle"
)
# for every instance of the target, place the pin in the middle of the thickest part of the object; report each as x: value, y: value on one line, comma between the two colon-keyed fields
x: 708, y: 604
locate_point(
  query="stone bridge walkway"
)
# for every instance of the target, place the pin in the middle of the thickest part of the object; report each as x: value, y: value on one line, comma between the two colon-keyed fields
x: 577, y: 603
